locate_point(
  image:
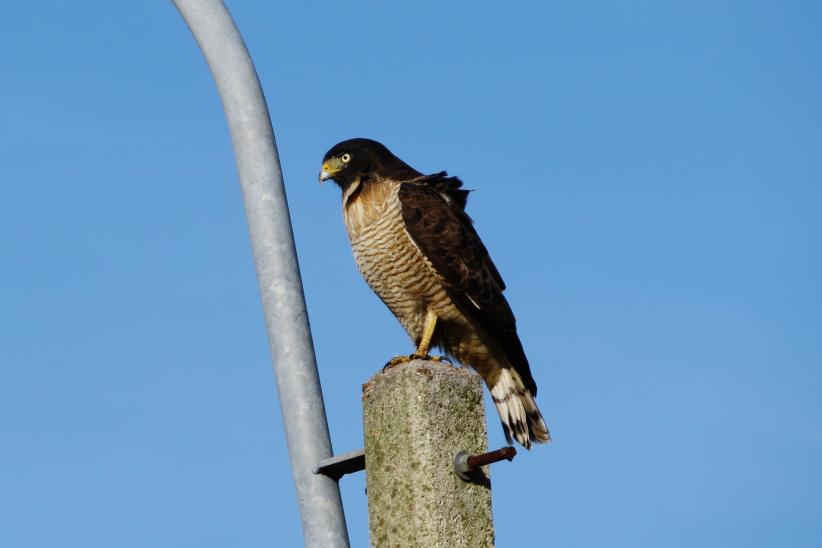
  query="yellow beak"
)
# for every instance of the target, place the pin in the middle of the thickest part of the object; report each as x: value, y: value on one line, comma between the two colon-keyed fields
x: 330, y: 168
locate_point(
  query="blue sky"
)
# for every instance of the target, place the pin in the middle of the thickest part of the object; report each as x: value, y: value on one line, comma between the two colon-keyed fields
x: 647, y: 178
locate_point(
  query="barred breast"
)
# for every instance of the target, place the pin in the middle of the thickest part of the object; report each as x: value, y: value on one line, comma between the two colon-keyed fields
x: 390, y: 262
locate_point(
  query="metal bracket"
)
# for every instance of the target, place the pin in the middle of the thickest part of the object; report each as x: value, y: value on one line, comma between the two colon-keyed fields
x: 337, y: 467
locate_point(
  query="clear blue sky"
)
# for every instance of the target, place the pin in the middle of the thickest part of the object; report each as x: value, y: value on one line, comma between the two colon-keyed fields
x: 648, y: 178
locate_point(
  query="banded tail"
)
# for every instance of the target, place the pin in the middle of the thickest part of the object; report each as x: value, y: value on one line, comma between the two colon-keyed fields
x: 517, y: 410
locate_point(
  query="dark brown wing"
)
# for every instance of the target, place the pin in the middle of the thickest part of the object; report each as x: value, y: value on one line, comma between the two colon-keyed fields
x: 449, y: 186
x: 445, y: 235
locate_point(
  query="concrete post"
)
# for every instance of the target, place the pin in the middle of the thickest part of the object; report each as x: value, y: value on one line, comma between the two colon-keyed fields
x: 417, y: 417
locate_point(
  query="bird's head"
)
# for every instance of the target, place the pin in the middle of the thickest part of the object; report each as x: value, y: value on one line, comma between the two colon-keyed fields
x: 360, y: 160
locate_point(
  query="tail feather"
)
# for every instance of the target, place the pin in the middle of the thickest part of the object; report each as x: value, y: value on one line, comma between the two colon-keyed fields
x: 518, y: 411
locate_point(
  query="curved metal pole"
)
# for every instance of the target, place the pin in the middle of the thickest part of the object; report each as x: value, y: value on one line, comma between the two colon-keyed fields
x: 275, y: 258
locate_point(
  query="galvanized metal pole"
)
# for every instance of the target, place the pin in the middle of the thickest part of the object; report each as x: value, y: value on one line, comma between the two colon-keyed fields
x: 275, y: 258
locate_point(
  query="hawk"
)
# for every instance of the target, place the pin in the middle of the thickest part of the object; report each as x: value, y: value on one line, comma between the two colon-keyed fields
x: 418, y: 250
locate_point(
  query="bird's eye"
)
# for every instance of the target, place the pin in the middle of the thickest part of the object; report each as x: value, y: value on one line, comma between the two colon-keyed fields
x: 345, y: 158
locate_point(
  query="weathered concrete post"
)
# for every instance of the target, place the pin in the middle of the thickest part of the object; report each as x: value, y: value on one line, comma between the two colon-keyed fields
x: 417, y: 417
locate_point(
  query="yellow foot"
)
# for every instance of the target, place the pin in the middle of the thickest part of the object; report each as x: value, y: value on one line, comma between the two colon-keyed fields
x: 399, y: 360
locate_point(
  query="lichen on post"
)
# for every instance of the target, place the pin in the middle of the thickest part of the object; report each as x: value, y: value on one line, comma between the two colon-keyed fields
x: 417, y: 417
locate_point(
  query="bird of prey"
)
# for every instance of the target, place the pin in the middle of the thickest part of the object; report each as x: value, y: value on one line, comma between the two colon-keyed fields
x: 418, y: 250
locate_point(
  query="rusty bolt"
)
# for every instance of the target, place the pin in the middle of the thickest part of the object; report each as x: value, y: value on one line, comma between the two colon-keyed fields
x: 465, y: 464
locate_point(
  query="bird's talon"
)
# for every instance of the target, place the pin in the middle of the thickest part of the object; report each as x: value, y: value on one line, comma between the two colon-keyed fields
x: 396, y: 360
x: 399, y: 360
